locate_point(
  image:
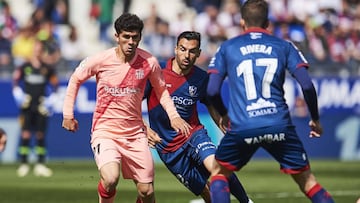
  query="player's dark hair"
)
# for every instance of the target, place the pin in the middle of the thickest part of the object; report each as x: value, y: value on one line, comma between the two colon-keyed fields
x: 189, y: 35
x: 255, y: 13
x: 128, y: 22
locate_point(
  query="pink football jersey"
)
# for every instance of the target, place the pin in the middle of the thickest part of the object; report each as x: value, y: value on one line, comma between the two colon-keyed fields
x: 120, y: 89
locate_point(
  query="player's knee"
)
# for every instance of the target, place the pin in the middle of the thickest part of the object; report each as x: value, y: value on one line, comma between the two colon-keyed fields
x: 111, y: 182
x: 145, y: 190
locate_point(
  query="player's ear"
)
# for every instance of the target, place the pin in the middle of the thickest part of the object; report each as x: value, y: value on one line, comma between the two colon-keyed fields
x: 116, y: 37
x: 242, y: 23
x: 198, y: 53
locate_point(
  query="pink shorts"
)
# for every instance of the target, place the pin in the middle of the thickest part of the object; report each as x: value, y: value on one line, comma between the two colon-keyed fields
x: 134, y: 155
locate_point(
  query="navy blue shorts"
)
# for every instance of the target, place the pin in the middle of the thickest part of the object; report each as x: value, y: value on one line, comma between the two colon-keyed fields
x: 281, y: 142
x: 186, y: 163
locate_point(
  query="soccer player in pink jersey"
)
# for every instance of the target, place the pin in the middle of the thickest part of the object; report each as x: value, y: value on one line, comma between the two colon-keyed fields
x: 119, y: 139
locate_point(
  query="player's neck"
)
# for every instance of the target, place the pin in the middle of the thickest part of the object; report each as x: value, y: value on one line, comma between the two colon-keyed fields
x: 122, y: 57
x: 176, y: 68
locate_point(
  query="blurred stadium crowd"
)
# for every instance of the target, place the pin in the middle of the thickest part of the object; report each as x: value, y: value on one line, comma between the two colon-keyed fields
x: 327, y: 32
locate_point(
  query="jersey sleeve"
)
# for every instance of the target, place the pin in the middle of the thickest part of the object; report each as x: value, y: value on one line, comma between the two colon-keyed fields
x: 295, y: 59
x: 159, y: 86
x: 86, y: 69
x: 217, y: 63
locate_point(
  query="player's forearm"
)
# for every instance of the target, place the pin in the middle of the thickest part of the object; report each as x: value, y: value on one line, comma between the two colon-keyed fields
x: 214, y: 95
x: 168, y: 104
x: 309, y: 92
x: 311, y: 101
x: 70, y: 96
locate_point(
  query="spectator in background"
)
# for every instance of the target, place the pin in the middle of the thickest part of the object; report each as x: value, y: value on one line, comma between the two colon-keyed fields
x: 8, y: 31
x: 151, y: 21
x: 8, y: 23
x: 102, y: 11
x: 207, y: 23
x: 54, y: 10
x: 3, y: 139
x: 51, y: 39
x: 161, y: 42
x: 354, y: 46
x: 181, y: 23
x: 6, y: 58
x: 317, y: 49
x: 23, y: 45
x: 71, y: 50
x: 59, y: 14
x: 338, y: 41
x: 30, y: 86
x: 229, y: 17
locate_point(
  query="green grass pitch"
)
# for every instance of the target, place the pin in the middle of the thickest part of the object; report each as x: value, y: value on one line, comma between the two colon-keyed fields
x: 76, y: 182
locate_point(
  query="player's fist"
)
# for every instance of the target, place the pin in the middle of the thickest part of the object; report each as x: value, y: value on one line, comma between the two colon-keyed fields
x: 316, y: 128
x: 71, y: 125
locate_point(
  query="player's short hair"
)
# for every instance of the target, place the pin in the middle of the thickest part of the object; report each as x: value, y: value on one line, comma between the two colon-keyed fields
x: 255, y: 13
x: 128, y: 22
x: 189, y: 35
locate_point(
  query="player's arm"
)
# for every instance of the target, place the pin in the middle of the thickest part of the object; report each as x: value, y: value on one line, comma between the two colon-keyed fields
x: 84, y: 71
x: 221, y: 121
x: 302, y: 77
x: 158, y: 83
x: 215, y: 105
x: 214, y: 93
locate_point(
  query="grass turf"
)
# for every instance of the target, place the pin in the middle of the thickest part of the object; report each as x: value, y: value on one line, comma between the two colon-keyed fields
x: 76, y: 182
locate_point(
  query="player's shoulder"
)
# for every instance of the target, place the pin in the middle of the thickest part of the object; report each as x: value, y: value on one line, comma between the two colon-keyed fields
x: 103, y: 55
x: 199, y: 70
x: 145, y: 55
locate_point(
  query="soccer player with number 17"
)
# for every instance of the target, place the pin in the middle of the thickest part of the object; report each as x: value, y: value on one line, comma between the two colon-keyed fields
x: 255, y: 64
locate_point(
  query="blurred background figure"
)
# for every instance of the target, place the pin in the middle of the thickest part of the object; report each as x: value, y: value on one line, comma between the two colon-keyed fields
x: 102, y: 11
x: 71, y: 51
x: 30, y: 87
x: 160, y: 43
x: 3, y: 139
x: 8, y: 31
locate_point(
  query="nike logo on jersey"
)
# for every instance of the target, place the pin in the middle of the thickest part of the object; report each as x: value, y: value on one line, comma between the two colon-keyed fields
x: 269, y: 138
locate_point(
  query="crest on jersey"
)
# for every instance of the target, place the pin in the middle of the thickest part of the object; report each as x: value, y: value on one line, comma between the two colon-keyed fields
x: 139, y: 74
x: 192, y: 90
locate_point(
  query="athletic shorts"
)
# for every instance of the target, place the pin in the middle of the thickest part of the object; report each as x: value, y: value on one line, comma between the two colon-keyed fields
x: 281, y: 142
x: 186, y: 163
x: 134, y: 155
x: 33, y: 120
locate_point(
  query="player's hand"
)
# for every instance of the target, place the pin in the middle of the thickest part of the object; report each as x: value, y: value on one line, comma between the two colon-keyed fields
x: 316, y: 128
x: 153, y: 137
x: 224, y: 123
x: 71, y: 125
x: 3, y: 139
x: 180, y: 125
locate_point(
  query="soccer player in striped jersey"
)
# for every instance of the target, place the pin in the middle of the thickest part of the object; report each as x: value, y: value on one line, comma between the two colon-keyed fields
x: 255, y: 64
x: 118, y: 134
x: 189, y: 158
